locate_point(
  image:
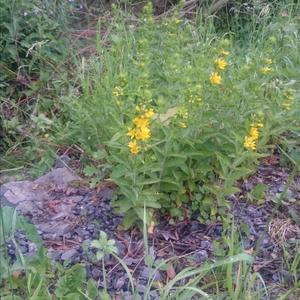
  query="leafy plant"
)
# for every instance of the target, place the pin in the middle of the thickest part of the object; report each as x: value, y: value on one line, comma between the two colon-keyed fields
x: 257, y: 193
x: 180, y: 115
x: 105, y: 247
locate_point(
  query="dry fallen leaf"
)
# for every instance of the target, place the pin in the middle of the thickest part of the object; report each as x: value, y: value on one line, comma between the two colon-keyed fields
x: 17, y: 274
x: 249, y: 251
x: 171, y: 112
x: 151, y: 228
x: 171, y: 271
x: 35, y: 186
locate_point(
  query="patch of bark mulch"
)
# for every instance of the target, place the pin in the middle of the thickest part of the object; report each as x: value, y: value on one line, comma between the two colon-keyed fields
x: 269, y: 231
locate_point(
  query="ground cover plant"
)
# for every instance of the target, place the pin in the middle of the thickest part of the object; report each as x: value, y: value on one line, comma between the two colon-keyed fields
x: 175, y: 115
x: 34, y: 49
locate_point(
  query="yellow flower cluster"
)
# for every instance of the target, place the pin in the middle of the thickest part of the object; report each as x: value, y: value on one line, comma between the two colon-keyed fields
x: 288, y: 101
x: 224, y: 52
x: 140, y: 131
x: 269, y: 61
x: 221, y: 64
x: 117, y: 91
x: 194, y: 94
x: 250, y: 141
x: 267, y: 69
x: 215, y: 78
x: 184, y: 115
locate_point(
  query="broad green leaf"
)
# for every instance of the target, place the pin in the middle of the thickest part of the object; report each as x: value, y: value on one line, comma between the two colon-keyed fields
x: 119, y: 171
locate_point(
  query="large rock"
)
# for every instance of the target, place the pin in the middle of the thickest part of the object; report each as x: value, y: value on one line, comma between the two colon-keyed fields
x: 25, y: 195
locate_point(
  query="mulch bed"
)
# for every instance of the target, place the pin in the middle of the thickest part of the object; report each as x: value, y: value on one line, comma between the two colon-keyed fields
x: 264, y: 230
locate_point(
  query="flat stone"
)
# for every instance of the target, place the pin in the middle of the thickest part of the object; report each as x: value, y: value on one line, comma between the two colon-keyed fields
x: 206, y: 245
x: 62, y: 161
x: 96, y: 273
x: 24, y: 194
x: 147, y: 272
x: 59, y: 176
x: 200, y: 256
x: 16, y: 192
x: 56, y: 227
x: 54, y: 254
x: 119, y: 283
x: 68, y: 255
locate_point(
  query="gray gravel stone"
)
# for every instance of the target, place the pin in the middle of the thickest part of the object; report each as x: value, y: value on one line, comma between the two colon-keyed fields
x: 200, y: 256
x: 59, y: 176
x: 147, y: 272
x: 68, y: 255
x: 96, y: 273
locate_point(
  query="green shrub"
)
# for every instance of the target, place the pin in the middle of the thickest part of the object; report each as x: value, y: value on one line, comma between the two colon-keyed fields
x: 217, y: 109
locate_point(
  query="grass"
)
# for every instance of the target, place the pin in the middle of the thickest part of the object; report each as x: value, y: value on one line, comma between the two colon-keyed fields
x: 173, y: 111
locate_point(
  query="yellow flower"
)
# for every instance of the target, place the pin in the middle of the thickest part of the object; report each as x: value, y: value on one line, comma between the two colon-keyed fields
x: 221, y: 63
x: 183, y: 125
x: 250, y: 140
x: 268, y: 61
x: 215, y: 78
x: 117, y: 91
x: 134, y: 148
x: 149, y: 113
x: 287, y: 105
x: 141, y: 122
x: 254, y: 133
x: 143, y: 134
x: 266, y: 70
x: 224, y: 52
x: 249, y: 143
x: 132, y: 133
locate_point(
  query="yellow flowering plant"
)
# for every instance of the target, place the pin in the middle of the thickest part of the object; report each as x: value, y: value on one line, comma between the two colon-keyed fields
x: 179, y: 118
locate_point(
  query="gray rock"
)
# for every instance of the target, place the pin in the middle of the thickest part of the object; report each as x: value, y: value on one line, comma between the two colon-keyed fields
x: 55, y: 227
x: 200, y: 256
x: 96, y: 273
x: 154, y: 295
x: 54, y: 254
x: 59, y: 176
x: 147, y: 272
x: 206, y: 245
x: 118, y: 284
x: 68, y: 255
x: 62, y: 161
x: 130, y: 261
x: 128, y: 296
x: 121, y: 248
x: 27, y: 195
x: 17, y: 192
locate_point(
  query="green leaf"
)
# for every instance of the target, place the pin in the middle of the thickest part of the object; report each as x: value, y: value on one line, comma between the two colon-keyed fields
x: 100, y: 154
x: 92, y: 289
x: 100, y: 255
x: 70, y: 282
x: 96, y: 244
x: 103, y: 236
x: 176, y: 212
x: 129, y: 220
x: 258, y: 192
x: 90, y: 170
x: 118, y: 171
x: 231, y: 190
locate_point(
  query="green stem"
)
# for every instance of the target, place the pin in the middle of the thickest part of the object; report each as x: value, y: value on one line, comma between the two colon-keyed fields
x: 104, y: 275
